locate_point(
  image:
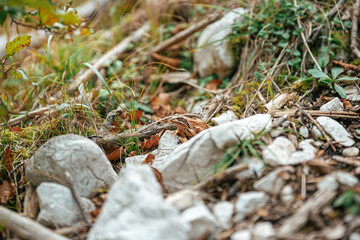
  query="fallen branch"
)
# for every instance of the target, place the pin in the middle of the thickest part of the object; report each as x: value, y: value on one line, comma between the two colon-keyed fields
x: 30, y: 115
x: 312, y: 206
x: 226, y: 175
x: 114, y: 53
x: 321, y: 129
x: 332, y: 114
x: 26, y: 228
x: 184, y: 34
x: 354, y: 29
x: 352, y: 161
x: 347, y: 66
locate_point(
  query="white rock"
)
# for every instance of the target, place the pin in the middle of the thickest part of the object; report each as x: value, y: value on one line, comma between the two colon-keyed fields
x: 216, y: 57
x: 287, y: 194
x: 352, y: 93
x: 272, y: 183
x: 81, y: 157
x: 135, y: 209
x: 255, y: 168
x: 333, y: 105
x: 202, y: 222
x: 135, y: 160
x: 304, y: 131
x: 278, y: 152
x: 57, y: 206
x: 184, y: 199
x: 355, y: 236
x: 350, y: 152
x: 263, y: 231
x: 241, y: 235
x: 167, y: 143
x: 336, y: 131
x: 334, y: 232
x: 329, y: 182
x: 307, y: 153
x: 225, y: 117
x: 346, y: 178
x: 249, y: 202
x: 194, y: 158
x: 223, y: 212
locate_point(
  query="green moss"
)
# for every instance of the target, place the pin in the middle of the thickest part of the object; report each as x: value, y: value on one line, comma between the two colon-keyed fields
x: 236, y: 45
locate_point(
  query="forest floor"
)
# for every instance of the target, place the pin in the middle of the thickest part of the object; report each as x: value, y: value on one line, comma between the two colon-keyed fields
x: 130, y: 74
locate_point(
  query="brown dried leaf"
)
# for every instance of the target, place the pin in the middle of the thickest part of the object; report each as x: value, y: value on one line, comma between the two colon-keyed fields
x: 6, y: 192
x: 213, y: 84
x: 149, y: 159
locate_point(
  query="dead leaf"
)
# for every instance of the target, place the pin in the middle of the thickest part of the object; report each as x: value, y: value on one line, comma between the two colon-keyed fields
x: 149, y: 159
x: 6, y: 192
x: 8, y: 160
x: 17, y: 129
x: 213, y: 84
x: 153, y: 141
x: 114, y: 153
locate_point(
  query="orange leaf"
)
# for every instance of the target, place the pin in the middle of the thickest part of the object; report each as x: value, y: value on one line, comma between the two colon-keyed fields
x: 17, y: 129
x: 114, y: 153
x: 153, y: 141
x: 6, y: 192
x: 213, y: 84
x: 149, y: 159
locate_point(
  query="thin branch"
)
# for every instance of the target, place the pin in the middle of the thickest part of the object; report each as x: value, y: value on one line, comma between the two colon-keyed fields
x: 354, y: 29
x: 184, y: 34
x: 26, y: 228
x: 304, y: 39
x: 115, y: 52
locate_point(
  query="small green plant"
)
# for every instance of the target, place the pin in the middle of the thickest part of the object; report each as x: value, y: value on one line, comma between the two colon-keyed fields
x: 247, y: 148
x: 332, y: 82
x: 350, y: 201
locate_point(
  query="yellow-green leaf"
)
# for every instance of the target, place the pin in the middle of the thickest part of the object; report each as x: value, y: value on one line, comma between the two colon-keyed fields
x: 17, y: 44
x: 71, y: 18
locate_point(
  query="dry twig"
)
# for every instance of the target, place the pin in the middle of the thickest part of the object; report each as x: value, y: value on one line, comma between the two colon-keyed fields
x: 184, y: 34
x: 114, y: 53
x: 26, y: 228
x: 354, y: 29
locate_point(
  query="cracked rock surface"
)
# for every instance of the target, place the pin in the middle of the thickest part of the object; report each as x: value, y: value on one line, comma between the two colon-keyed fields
x: 81, y: 157
x: 193, y: 159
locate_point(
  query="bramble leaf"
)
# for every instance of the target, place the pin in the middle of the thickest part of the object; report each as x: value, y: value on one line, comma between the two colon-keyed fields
x: 19, y: 43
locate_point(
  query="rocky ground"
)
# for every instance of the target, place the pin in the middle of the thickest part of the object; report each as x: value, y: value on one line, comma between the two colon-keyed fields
x: 267, y: 147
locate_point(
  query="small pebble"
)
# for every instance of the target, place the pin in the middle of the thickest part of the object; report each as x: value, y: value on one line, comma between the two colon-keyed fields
x: 350, y: 152
x: 304, y: 131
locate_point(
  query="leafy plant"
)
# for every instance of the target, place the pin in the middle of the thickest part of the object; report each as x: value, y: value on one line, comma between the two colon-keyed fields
x: 350, y: 201
x: 332, y: 82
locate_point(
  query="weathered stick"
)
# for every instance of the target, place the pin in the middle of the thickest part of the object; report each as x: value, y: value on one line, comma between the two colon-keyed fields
x: 32, y: 114
x: 354, y: 29
x: 114, y: 53
x: 229, y: 173
x: 332, y: 114
x: 184, y: 34
x: 301, y: 216
x: 26, y: 228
